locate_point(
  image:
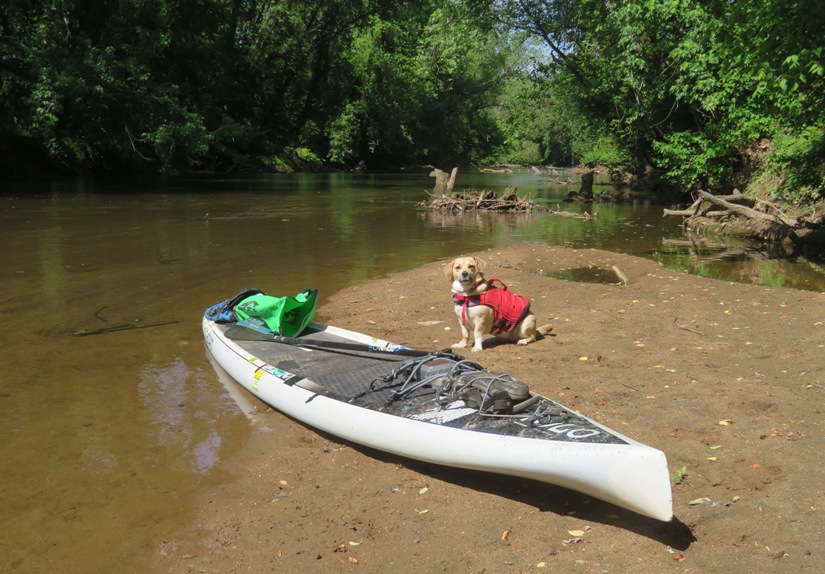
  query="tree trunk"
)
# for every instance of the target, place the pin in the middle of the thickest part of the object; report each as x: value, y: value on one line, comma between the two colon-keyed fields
x: 443, y: 183
x: 587, y: 185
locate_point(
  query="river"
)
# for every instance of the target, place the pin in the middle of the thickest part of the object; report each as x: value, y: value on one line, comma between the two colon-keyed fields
x: 112, y: 414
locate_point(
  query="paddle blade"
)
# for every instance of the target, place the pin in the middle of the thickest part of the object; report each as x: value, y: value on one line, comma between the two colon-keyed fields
x: 249, y: 331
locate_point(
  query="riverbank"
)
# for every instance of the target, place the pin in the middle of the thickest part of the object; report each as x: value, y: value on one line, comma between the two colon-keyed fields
x: 725, y: 378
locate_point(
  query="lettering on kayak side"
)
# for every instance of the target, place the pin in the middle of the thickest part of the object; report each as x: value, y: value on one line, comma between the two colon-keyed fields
x: 569, y: 430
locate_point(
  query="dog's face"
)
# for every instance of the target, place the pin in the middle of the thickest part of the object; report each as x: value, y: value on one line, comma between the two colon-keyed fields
x: 465, y: 272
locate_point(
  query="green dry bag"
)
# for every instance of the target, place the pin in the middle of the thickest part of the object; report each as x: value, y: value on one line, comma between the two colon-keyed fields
x: 286, y: 316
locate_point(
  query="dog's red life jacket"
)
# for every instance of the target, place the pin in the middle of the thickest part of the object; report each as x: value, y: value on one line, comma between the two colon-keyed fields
x: 508, y: 307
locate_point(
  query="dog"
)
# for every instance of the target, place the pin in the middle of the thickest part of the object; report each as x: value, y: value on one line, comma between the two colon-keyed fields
x: 486, y: 310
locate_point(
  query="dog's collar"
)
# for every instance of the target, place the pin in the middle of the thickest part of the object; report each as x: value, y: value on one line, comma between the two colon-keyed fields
x: 461, y: 297
x: 471, y: 288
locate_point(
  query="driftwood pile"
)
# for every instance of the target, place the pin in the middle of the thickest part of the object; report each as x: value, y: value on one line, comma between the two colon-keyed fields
x: 445, y: 200
x: 484, y: 200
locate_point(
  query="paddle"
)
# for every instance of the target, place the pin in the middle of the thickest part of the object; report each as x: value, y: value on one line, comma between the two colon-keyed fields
x: 242, y: 331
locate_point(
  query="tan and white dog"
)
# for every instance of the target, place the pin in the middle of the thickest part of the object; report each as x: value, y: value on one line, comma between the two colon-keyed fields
x: 485, y: 310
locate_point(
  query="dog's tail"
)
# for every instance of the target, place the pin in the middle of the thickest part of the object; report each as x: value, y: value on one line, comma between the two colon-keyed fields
x: 544, y: 329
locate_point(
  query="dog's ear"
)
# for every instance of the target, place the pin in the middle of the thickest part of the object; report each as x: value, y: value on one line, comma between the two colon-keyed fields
x: 480, y: 264
x: 448, y: 269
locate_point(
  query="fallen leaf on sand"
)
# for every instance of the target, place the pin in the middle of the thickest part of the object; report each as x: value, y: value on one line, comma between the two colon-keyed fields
x: 576, y: 533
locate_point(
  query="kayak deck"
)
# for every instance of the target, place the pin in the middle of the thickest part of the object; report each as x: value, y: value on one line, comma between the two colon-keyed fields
x: 347, y: 376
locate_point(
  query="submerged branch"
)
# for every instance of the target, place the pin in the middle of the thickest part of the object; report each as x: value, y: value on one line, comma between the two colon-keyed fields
x: 116, y: 328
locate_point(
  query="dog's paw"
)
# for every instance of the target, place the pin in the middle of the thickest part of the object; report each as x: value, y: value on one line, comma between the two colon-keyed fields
x: 460, y: 345
x: 477, y: 349
x: 523, y: 342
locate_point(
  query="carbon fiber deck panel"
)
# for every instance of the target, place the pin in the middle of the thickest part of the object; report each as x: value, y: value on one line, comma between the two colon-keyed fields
x: 348, y: 376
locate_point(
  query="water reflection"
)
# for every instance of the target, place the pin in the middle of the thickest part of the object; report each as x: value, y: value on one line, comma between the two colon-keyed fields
x: 166, y: 394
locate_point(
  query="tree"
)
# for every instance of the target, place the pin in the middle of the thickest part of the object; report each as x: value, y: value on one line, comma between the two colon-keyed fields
x: 423, y: 85
x: 691, y: 87
x: 215, y: 84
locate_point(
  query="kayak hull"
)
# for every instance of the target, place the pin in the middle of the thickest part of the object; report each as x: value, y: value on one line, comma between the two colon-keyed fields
x: 572, y: 451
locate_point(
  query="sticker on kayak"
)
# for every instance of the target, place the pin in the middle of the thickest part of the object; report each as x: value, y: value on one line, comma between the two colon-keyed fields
x: 267, y: 368
x: 280, y: 373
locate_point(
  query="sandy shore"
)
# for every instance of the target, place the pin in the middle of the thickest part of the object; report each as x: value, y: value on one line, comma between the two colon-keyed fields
x: 727, y: 379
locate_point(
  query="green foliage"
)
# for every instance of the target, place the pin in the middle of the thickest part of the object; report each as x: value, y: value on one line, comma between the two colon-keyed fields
x: 346, y: 133
x: 603, y: 149
x: 421, y: 88
x: 799, y: 155
x: 305, y: 157
x: 694, y: 159
x: 691, y: 87
x: 679, y: 476
x: 210, y: 84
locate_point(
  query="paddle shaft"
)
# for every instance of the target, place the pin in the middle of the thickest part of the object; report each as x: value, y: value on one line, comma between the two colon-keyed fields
x: 248, y: 332
x: 348, y: 346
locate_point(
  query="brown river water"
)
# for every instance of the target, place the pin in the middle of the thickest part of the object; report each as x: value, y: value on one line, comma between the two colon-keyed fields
x: 106, y: 436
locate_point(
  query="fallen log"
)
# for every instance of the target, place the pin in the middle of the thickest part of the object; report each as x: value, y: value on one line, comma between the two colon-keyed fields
x: 748, y: 212
x: 692, y: 213
x: 741, y: 216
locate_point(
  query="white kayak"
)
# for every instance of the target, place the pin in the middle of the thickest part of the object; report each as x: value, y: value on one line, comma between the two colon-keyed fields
x: 441, y: 409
